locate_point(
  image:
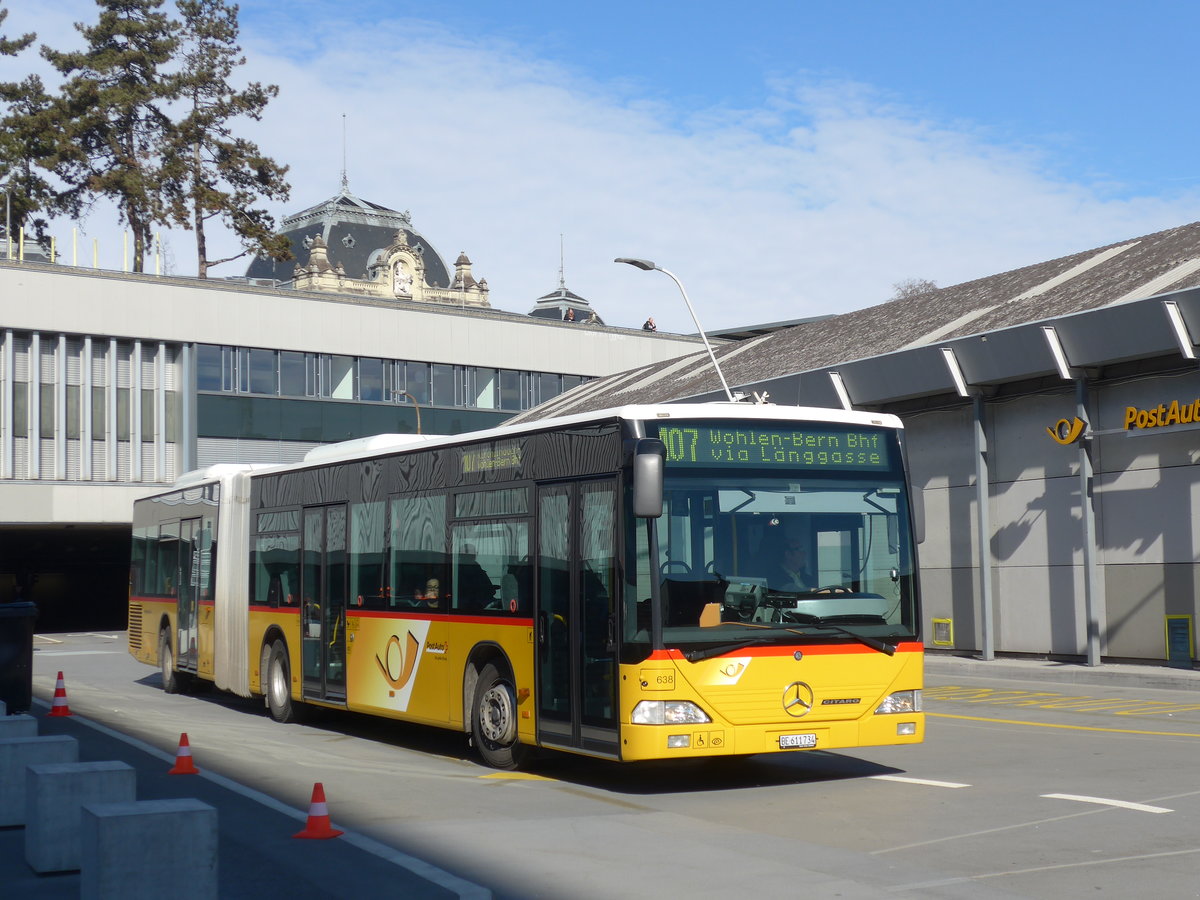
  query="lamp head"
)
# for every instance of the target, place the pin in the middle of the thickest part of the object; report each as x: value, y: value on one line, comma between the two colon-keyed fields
x: 643, y: 264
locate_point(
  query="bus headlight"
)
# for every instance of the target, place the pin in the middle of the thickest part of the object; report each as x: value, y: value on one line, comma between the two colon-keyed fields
x: 901, y: 702
x: 668, y: 712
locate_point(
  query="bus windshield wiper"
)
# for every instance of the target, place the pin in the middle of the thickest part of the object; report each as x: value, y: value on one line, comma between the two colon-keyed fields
x: 873, y: 643
x: 721, y: 649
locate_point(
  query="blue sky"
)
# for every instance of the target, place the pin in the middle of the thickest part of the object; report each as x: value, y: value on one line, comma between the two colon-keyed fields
x: 783, y: 158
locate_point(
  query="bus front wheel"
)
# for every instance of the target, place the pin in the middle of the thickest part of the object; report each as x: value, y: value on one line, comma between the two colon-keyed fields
x: 279, y: 684
x: 166, y: 661
x: 494, y: 720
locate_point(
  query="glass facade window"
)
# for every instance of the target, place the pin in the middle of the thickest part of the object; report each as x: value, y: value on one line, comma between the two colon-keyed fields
x: 122, y: 414
x: 340, y: 371
x: 20, y: 409
x: 73, y: 413
x: 443, y: 385
x: 239, y: 368
x: 208, y: 368
x: 418, y: 376
x: 510, y: 389
x: 263, y: 375
x: 147, y: 414
x: 484, y: 388
x: 547, y: 388
x: 287, y: 373
x: 46, y: 411
x: 292, y: 382
x: 370, y: 379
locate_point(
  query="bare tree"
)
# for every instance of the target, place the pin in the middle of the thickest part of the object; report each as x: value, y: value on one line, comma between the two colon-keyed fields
x: 912, y: 287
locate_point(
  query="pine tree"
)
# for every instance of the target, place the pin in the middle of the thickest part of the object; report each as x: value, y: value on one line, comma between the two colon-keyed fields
x: 110, y: 124
x: 208, y: 172
x: 13, y: 47
x: 23, y: 144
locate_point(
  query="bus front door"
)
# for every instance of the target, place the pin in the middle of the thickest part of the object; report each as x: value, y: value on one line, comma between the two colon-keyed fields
x: 576, y: 616
x: 187, y: 595
x: 323, y: 616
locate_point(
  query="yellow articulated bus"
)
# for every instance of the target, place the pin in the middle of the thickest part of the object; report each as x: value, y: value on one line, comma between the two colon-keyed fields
x: 649, y: 582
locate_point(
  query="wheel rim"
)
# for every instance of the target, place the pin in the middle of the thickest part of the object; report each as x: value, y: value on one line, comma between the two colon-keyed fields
x: 165, y: 660
x: 279, y: 685
x: 496, y: 715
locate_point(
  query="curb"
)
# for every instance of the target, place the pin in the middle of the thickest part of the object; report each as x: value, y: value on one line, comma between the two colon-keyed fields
x: 1045, y: 670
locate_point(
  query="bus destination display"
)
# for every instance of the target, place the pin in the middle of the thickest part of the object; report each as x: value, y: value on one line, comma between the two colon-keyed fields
x: 826, y: 448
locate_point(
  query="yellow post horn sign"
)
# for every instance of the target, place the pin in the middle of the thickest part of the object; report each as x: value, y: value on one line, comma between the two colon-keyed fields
x: 1067, y: 431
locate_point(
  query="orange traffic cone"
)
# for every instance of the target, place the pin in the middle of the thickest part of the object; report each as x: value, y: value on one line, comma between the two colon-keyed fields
x: 59, y: 707
x: 183, y: 759
x: 318, y: 827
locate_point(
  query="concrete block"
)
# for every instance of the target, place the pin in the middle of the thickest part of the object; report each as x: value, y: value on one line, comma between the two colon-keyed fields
x: 17, y: 726
x: 54, y: 798
x: 15, y: 755
x: 149, y: 849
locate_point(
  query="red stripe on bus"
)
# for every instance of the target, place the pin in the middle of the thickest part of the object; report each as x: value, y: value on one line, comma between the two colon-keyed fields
x: 789, y: 649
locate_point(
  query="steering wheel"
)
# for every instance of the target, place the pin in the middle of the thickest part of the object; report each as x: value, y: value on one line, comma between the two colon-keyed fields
x: 675, y: 564
x: 833, y: 589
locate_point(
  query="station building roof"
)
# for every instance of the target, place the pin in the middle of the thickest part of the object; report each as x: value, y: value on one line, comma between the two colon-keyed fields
x: 1106, y: 304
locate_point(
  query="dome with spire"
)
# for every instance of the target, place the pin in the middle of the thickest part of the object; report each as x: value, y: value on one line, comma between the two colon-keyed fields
x: 564, y: 304
x: 353, y: 246
x: 353, y: 230
x: 556, y: 304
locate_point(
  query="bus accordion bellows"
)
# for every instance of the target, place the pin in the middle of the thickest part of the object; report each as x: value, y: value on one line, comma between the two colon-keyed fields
x: 649, y: 582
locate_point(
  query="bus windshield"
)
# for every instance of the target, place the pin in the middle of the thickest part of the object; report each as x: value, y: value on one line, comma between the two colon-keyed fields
x: 765, y: 556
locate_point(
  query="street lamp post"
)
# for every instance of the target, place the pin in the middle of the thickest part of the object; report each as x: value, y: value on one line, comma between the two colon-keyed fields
x: 646, y: 265
x: 416, y: 405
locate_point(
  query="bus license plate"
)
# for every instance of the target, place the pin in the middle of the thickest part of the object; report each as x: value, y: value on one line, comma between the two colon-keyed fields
x: 797, y: 741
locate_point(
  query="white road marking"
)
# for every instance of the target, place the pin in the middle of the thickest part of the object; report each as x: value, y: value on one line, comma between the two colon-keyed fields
x: 925, y: 781
x: 1104, y: 801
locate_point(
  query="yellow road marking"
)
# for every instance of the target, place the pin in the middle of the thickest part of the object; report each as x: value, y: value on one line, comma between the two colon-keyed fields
x: 1054, y: 701
x: 1070, y: 727
x: 518, y: 776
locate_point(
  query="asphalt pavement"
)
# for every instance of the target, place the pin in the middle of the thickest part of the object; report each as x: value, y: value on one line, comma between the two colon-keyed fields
x: 258, y: 857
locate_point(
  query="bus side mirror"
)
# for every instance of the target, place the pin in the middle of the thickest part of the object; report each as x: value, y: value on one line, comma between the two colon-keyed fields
x: 649, y: 459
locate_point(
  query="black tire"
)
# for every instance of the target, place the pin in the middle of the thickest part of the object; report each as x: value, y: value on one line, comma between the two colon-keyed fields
x: 278, y: 684
x: 494, y: 720
x: 166, y: 662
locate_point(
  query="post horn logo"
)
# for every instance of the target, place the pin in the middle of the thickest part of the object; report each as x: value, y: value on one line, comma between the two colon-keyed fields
x: 1067, y: 431
x: 404, y: 657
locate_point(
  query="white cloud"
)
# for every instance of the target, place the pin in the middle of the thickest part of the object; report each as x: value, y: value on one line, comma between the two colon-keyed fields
x: 818, y: 202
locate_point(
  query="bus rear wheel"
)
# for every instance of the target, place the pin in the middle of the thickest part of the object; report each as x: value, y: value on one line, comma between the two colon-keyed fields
x: 494, y: 720
x: 279, y: 684
x: 166, y: 661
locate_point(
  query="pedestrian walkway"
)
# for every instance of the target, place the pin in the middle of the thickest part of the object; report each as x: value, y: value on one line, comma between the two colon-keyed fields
x: 943, y: 666
x: 257, y: 855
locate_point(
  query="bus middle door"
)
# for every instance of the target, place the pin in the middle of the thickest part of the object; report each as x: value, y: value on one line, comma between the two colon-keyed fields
x: 323, y: 615
x: 187, y: 588
x: 576, y: 609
